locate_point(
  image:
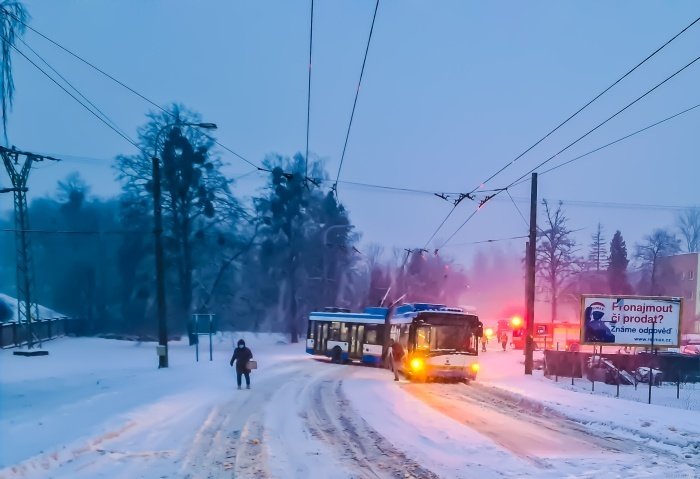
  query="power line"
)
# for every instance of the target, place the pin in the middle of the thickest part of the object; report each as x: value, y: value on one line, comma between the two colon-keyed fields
x: 496, y: 240
x: 629, y: 72
x: 612, y: 204
x: 357, y: 93
x: 527, y: 223
x: 308, y: 93
x: 73, y: 232
x: 614, y: 142
x: 507, y: 165
x: 97, y: 109
x: 117, y: 131
x: 125, y: 86
x: 687, y: 65
x: 488, y: 198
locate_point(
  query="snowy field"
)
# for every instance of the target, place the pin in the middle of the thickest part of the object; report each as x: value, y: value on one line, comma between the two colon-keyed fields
x: 101, y: 408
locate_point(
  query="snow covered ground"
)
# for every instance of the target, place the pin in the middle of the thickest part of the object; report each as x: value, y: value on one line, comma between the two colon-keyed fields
x: 100, y: 408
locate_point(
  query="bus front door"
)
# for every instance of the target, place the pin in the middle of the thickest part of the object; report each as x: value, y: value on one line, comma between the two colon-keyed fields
x: 321, y: 338
x: 357, y: 332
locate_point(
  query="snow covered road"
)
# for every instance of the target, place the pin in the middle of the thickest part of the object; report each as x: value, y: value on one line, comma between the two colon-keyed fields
x: 118, y: 416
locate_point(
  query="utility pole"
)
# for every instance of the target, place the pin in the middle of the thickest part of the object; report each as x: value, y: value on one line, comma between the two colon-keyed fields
x: 530, y: 279
x: 162, y: 348
x: 18, y: 171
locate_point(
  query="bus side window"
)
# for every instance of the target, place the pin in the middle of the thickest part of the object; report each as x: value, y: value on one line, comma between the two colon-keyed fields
x: 334, y: 334
x: 311, y: 334
x: 371, y: 335
x: 343, y: 331
x: 403, y: 339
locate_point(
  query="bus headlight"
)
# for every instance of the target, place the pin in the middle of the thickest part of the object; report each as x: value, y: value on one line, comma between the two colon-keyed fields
x: 417, y: 364
x: 475, y: 368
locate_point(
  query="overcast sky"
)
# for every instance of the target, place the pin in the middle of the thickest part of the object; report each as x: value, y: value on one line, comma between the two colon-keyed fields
x: 452, y: 91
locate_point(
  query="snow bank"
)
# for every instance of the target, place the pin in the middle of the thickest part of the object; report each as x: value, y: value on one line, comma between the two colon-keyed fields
x: 667, y: 422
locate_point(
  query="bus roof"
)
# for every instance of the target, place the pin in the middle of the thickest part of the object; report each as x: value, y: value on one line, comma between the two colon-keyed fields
x: 405, y: 313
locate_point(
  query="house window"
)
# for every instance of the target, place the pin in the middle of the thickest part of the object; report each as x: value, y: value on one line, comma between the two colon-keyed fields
x: 690, y: 295
x: 682, y: 275
x: 691, y: 274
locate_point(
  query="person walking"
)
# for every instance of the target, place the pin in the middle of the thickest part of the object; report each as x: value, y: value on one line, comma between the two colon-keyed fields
x: 504, y: 341
x: 396, y: 357
x: 484, y: 342
x: 242, y: 355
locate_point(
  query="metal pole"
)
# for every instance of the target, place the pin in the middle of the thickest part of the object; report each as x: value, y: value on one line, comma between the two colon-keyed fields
x: 211, y: 320
x: 651, y: 369
x: 158, y: 237
x: 196, y: 335
x: 160, y: 268
x: 531, y: 257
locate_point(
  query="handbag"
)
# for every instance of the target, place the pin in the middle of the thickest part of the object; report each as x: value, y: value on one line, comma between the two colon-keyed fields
x: 252, y: 364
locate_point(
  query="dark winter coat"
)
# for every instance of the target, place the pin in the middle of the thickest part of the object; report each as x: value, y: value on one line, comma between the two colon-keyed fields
x: 241, y: 356
x: 397, y: 351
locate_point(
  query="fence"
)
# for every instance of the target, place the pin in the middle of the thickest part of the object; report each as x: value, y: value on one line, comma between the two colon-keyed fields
x: 674, y: 367
x: 15, y: 334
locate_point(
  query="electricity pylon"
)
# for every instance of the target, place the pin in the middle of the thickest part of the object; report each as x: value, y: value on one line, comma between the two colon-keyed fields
x: 18, y: 171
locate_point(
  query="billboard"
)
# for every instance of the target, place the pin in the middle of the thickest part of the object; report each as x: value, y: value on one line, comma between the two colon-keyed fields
x: 630, y: 320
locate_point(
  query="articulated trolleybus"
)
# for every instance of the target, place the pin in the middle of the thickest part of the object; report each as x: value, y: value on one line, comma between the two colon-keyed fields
x: 439, y: 343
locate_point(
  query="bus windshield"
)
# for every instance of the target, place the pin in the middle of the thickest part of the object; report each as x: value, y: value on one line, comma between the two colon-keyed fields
x: 453, y: 337
x: 445, y: 338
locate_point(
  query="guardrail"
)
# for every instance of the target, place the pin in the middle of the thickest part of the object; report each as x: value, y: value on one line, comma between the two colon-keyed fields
x: 15, y: 334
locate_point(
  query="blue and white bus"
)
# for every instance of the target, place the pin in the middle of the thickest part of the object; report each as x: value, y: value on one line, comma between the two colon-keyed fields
x: 438, y: 342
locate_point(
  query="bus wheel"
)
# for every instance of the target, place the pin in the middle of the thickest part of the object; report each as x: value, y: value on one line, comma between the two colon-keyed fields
x: 336, y: 355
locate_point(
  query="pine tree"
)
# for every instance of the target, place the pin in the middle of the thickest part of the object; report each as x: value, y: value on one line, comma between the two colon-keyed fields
x: 596, y: 256
x: 617, y: 266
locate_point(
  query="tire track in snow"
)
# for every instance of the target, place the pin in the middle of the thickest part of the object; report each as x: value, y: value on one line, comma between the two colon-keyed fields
x: 572, y: 438
x: 229, y: 444
x: 332, y: 420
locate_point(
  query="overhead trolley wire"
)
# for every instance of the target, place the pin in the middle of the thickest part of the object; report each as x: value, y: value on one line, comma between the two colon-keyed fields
x: 308, y: 93
x: 629, y: 72
x: 524, y: 180
x: 487, y: 198
x: 357, y: 93
x: 510, y: 163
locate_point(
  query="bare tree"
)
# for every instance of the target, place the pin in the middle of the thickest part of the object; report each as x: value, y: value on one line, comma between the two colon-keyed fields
x: 597, y: 258
x: 556, y: 254
x: 196, y: 195
x: 688, y: 223
x: 656, y: 245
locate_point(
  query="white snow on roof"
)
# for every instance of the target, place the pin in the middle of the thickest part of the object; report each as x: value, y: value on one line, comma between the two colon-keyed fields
x: 44, y: 313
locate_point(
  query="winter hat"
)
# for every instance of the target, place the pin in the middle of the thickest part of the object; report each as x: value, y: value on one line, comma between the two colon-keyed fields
x: 241, y: 342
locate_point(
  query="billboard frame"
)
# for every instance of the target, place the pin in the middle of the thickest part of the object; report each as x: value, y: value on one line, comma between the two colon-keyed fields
x: 631, y: 296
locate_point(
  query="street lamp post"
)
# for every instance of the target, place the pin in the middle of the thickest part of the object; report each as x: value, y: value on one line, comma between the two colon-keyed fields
x: 158, y: 236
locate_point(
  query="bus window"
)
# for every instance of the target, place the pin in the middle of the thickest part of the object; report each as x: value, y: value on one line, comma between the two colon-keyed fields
x: 371, y: 335
x: 344, y: 331
x: 312, y: 330
x: 423, y: 338
x: 403, y: 339
x: 334, y: 334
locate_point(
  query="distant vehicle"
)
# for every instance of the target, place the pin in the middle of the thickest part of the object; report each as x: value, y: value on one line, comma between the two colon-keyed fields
x: 545, y: 335
x: 439, y: 342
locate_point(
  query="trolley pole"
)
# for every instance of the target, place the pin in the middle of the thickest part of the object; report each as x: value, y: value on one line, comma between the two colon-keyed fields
x: 530, y: 279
